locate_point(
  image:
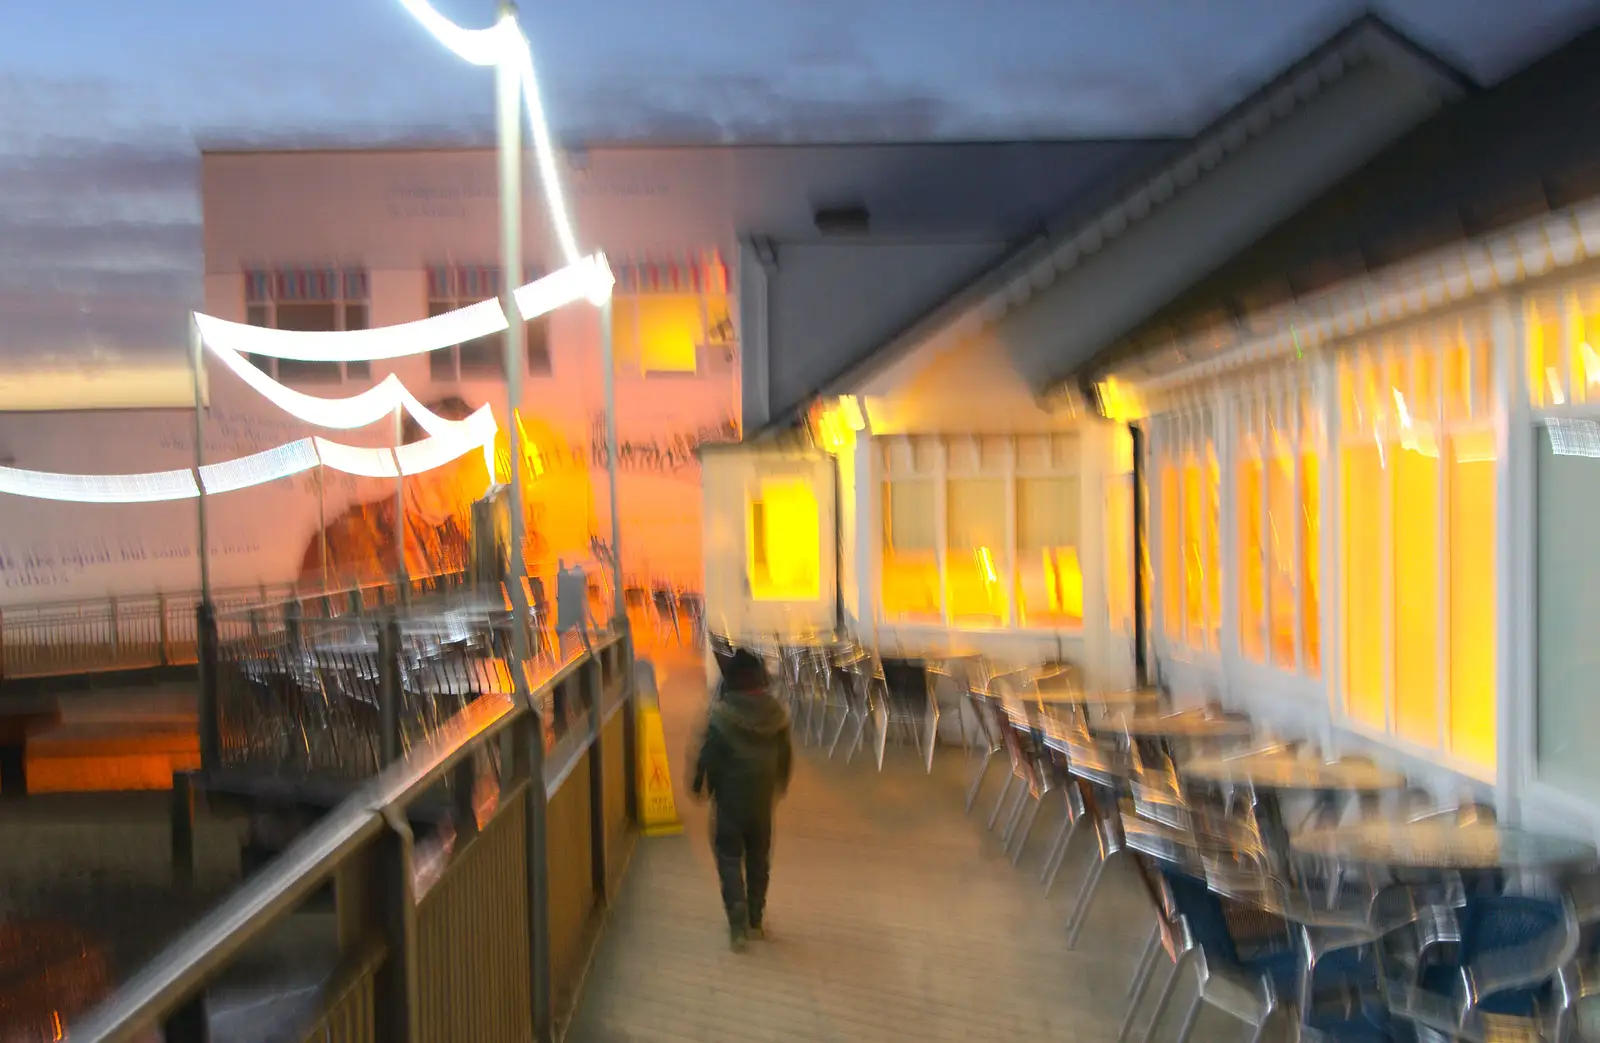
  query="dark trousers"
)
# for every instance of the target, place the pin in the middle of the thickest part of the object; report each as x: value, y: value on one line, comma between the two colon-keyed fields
x: 743, y: 846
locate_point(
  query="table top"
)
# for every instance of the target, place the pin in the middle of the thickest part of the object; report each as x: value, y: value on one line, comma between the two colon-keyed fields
x: 1134, y: 702
x: 1445, y: 844
x: 1286, y: 770
x: 1185, y: 725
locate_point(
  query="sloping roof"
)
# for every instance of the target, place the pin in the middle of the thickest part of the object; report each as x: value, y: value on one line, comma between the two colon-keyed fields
x: 1107, y: 210
x: 1525, y: 147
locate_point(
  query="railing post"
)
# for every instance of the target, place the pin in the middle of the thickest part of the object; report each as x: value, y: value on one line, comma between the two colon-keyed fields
x: 527, y: 762
x: 116, y: 635
x: 163, y: 656
x: 593, y: 694
x: 188, y: 1024
x: 206, y: 657
x: 292, y: 614
x: 373, y: 897
x: 182, y: 830
x: 389, y: 691
x: 630, y: 728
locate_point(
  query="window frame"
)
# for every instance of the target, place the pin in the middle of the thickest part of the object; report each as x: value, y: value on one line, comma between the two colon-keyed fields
x: 456, y: 285
x: 897, y: 459
x: 344, y: 287
x: 1396, y: 352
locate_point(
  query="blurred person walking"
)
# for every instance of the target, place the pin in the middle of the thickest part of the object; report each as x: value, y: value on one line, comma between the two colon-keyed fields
x: 743, y: 767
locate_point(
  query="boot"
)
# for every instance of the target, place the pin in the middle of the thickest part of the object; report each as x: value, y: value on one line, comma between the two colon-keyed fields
x: 756, y: 932
x: 738, y: 928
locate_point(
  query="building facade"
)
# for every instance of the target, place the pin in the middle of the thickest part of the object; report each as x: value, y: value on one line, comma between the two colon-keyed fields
x: 1304, y: 421
x: 347, y: 239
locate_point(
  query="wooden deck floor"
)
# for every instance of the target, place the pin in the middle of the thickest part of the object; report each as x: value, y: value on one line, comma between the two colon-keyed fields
x: 892, y: 917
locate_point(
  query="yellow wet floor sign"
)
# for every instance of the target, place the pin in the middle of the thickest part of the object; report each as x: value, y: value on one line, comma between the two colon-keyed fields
x: 658, y: 810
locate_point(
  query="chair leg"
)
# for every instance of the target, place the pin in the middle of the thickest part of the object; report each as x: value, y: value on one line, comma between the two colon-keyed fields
x: 1080, y: 909
x: 1058, y: 853
x: 1024, y: 829
x: 1167, y: 992
x: 1141, y: 981
x: 977, y: 779
x: 1190, y: 1016
x: 933, y: 736
x: 1015, y: 816
x: 1000, y: 802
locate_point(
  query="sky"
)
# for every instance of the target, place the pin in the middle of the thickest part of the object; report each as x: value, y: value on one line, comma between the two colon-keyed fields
x: 105, y: 103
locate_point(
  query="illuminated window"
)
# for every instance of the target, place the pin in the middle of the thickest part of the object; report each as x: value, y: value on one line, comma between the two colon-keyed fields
x: 672, y: 318
x: 1366, y: 692
x: 785, y: 541
x: 1252, y: 549
x: 1418, y: 511
x: 982, y: 531
x: 1190, y: 538
x: 313, y: 300
x: 974, y: 557
x: 1283, y: 566
x: 1049, y: 577
x: 910, y: 556
x: 1311, y: 560
x: 1171, y: 553
x: 1119, y: 536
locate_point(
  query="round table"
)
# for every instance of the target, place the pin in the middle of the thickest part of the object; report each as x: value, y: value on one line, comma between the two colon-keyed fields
x: 1189, y: 725
x: 1135, y: 703
x: 1446, y: 844
x: 1285, y: 770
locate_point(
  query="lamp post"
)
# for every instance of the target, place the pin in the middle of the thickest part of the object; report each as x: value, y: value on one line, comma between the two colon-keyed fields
x: 508, y: 145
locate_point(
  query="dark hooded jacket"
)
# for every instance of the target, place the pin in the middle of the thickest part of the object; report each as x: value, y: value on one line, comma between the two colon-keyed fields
x: 744, y: 759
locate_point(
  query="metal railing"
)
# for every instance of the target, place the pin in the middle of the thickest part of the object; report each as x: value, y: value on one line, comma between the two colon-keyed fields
x: 495, y: 945
x: 143, y: 632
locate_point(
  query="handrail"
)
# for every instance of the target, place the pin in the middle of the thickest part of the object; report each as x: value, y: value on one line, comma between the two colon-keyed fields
x: 197, y: 955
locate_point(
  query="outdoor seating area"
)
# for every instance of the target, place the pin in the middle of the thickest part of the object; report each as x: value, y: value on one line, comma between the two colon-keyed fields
x: 1301, y: 895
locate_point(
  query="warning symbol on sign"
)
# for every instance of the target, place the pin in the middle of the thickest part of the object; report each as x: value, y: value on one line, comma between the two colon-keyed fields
x: 658, y: 810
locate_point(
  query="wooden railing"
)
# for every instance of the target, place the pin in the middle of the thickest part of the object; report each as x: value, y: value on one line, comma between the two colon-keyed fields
x: 493, y: 948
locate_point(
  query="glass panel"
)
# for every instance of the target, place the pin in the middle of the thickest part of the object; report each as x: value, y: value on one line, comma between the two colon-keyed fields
x: 1193, y: 565
x: 537, y: 337
x: 910, y: 565
x: 671, y: 327
x: 1170, y: 512
x: 784, y: 541
x: 1252, y: 554
x: 1281, y: 518
x: 1311, y: 561
x: 1472, y: 598
x: 1416, y: 595
x: 318, y: 317
x: 1546, y: 384
x: 1049, y: 576
x: 1365, y: 568
x: 976, y: 534
x: 1211, y: 550
x: 1569, y: 613
x: 484, y: 356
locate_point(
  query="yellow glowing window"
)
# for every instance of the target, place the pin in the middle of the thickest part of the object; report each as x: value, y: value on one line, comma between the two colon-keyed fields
x: 1364, y: 572
x: 659, y: 332
x: 1193, y: 565
x: 1282, y: 516
x: 975, y: 553
x: 785, y: 541
x: 1252, y: 557
x: 1049, y: 575
x: 1170, y: 511
x: 1416, y: 594
x: 1546, y: 382
x: 1472, y: 598
x: 1311, y: 562
x: 1211, y: 545
x: 910, y: 582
